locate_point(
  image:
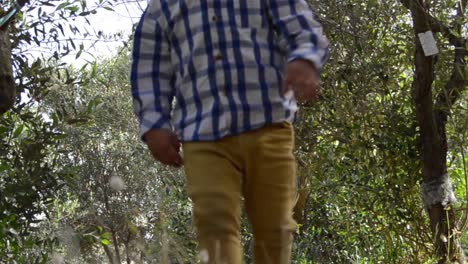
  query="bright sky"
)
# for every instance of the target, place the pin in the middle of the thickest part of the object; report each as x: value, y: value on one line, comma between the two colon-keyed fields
x: 126, y: 13
x: 121, y: 20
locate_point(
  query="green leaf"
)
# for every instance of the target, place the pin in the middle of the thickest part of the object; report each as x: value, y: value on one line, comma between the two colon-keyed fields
x: 105, y: 235
x: 61, y: 28
x: 105, y: 242
x: 45, y: 3
x: 78, y: 54
x: 4, y: 167
x: 72, y: 43
x: 73, y: 9
x: 18, y: 131
x: 62, y: 6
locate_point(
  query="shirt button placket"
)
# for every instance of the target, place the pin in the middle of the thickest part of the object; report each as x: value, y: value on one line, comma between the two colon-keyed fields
x: 218, y: 57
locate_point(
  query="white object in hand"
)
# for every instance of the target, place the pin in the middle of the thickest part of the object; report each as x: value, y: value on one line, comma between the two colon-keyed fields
x: 290, y: 101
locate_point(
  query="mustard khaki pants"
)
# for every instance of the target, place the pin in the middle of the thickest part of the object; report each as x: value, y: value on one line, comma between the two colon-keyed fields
x: 258, y: 165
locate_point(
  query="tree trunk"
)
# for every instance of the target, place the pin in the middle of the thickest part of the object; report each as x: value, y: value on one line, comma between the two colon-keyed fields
x: 7, y: 84
x: 303, y: 193
x: 111, y: 225
x: 127, y: 248
x: 109, y: 254
x: 436, y: 188
x: 116, y: 245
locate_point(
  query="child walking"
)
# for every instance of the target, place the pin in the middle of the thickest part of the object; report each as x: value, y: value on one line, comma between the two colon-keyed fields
x: 220, y: 79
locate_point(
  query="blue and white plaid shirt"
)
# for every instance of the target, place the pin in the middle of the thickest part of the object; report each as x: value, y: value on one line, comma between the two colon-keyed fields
x: 222, y: 61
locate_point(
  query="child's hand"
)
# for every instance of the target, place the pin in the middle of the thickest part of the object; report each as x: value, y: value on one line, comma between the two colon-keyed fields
x: 302, y: 78
x: 164, y: 146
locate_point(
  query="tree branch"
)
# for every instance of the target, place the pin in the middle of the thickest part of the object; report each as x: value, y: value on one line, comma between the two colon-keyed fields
x: 7, y: 84
x: 415, y: 6
x: 406, y: 3
x: 438, y: 26
x: 453, y: 88
x: 456, y: 84
x: 109, y: 254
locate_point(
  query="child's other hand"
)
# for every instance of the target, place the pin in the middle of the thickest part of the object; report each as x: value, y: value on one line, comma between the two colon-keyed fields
x: 302, y: 78
x: 164, y: 146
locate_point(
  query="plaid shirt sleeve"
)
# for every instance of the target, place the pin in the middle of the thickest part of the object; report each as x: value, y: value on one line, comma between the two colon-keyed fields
x: 152, y: 75
x: 304, y: 35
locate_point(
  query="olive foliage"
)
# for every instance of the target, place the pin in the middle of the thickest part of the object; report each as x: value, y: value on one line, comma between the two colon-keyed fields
x: 76, y: 182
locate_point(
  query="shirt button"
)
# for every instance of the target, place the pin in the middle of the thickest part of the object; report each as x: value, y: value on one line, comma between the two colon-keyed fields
x: 214, y: 18
x: 218, y: 57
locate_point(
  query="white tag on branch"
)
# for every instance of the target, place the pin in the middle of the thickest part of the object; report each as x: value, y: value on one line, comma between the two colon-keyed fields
x: 428, y: 43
